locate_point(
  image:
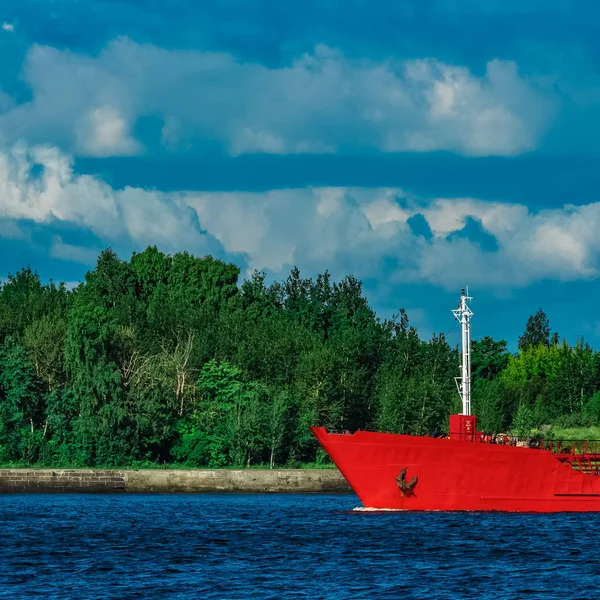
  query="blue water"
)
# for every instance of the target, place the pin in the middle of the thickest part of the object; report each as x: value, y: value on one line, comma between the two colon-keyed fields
x: 286, y: 546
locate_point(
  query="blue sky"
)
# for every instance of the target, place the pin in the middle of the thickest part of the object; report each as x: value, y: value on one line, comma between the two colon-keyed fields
x: 419, y: 145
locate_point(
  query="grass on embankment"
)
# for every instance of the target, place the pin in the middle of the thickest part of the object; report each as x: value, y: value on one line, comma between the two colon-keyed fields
x: 171, y: 467
x: 573, y: 433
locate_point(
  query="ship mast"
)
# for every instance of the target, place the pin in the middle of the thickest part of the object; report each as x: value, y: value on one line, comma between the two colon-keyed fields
x: 463, y: 315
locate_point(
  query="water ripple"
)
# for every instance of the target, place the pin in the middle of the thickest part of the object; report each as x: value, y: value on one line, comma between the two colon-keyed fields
x: 285, y: 546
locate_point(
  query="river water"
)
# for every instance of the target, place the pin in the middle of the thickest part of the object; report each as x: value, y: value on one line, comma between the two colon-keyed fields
x: 286, y: 546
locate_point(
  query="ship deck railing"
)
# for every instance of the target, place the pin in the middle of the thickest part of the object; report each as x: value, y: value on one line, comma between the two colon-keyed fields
x: 580, y: 455
x: 560, y: 447
x: 554, y: 446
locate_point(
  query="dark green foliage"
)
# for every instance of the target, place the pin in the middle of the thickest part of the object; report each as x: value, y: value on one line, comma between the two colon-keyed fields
x: 165, y: 359
x: 489, y: 358
x: 537, y: 331
x: 21, y: 409
x: 494, y: 404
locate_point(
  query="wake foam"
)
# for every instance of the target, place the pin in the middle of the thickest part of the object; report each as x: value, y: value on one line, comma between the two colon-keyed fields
x: 367, y: 509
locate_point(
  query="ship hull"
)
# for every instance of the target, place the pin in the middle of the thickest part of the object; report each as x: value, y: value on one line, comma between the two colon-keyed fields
x: 456, y: 475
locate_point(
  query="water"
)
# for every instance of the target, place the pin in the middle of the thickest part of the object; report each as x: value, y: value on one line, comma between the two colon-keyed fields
x: 285, y: 546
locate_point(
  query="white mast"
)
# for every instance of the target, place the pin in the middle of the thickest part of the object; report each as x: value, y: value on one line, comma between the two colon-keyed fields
x: 463, y: 315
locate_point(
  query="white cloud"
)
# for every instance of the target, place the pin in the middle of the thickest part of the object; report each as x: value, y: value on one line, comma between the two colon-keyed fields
x: 345, y: 230
x: 385, y: 215
x: 8, y: 27
x: 320, y: 102
x: 329, y: 201
x: 70, y: 252
x: 550, y: 244
x: 446, y: 216
x: 316, y: 228
x: 104, y: 132
x: 58, y: 194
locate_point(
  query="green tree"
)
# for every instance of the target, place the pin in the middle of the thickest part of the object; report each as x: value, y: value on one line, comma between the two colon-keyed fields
x: 44, y: 340
x: 537, y: 331
x: 171, y: 358
x: 571, y: 378
x: 103, y: 431
x: 21, y: 406
x: 494, y: 404
x: 524, y: 420
x: 488, y: 358
x: 225, y: 426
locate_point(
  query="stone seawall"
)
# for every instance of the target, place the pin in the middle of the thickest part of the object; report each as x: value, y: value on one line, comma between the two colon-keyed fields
x: 61, y: 480
x: 166, y: 481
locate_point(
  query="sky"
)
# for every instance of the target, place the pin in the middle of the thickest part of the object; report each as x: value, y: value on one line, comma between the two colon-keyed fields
x: 419, y: 146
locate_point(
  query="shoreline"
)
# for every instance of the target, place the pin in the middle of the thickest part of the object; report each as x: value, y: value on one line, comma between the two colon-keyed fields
x: 142, y: 481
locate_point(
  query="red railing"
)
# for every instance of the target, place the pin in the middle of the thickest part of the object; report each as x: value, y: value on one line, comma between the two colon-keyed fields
x: 559, y: 447
x: 586, y: 463
x: 555, y: 446
x: 581, y: 455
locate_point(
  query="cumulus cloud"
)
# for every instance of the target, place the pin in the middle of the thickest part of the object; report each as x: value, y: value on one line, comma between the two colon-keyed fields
x: 105, y: 132
x: 8, y: 27
x: 320, y: 102
x: 357, y: 230
x: 72, y: 253
x: 531, y: 246
x: 39, y: 185
x: 314, y: 227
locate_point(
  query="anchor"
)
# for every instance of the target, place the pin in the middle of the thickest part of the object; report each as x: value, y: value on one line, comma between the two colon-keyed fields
x: 406, y: 488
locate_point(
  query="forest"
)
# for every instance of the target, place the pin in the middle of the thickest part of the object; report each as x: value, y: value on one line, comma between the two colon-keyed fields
x: 173, y: 360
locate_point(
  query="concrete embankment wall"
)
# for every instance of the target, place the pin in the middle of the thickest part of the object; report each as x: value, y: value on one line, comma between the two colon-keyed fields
x: 166, y: 481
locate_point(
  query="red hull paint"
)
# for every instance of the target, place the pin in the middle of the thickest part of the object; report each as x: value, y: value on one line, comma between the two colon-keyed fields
x: 457, y: 475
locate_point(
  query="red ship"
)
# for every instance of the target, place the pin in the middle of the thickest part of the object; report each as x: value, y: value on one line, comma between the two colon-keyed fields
x: 467, y: 470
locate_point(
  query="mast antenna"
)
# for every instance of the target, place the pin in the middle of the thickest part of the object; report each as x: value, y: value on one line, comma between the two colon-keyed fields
x: 463, y: 315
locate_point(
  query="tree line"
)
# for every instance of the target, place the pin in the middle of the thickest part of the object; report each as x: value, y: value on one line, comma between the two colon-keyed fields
x: 170, y: 359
